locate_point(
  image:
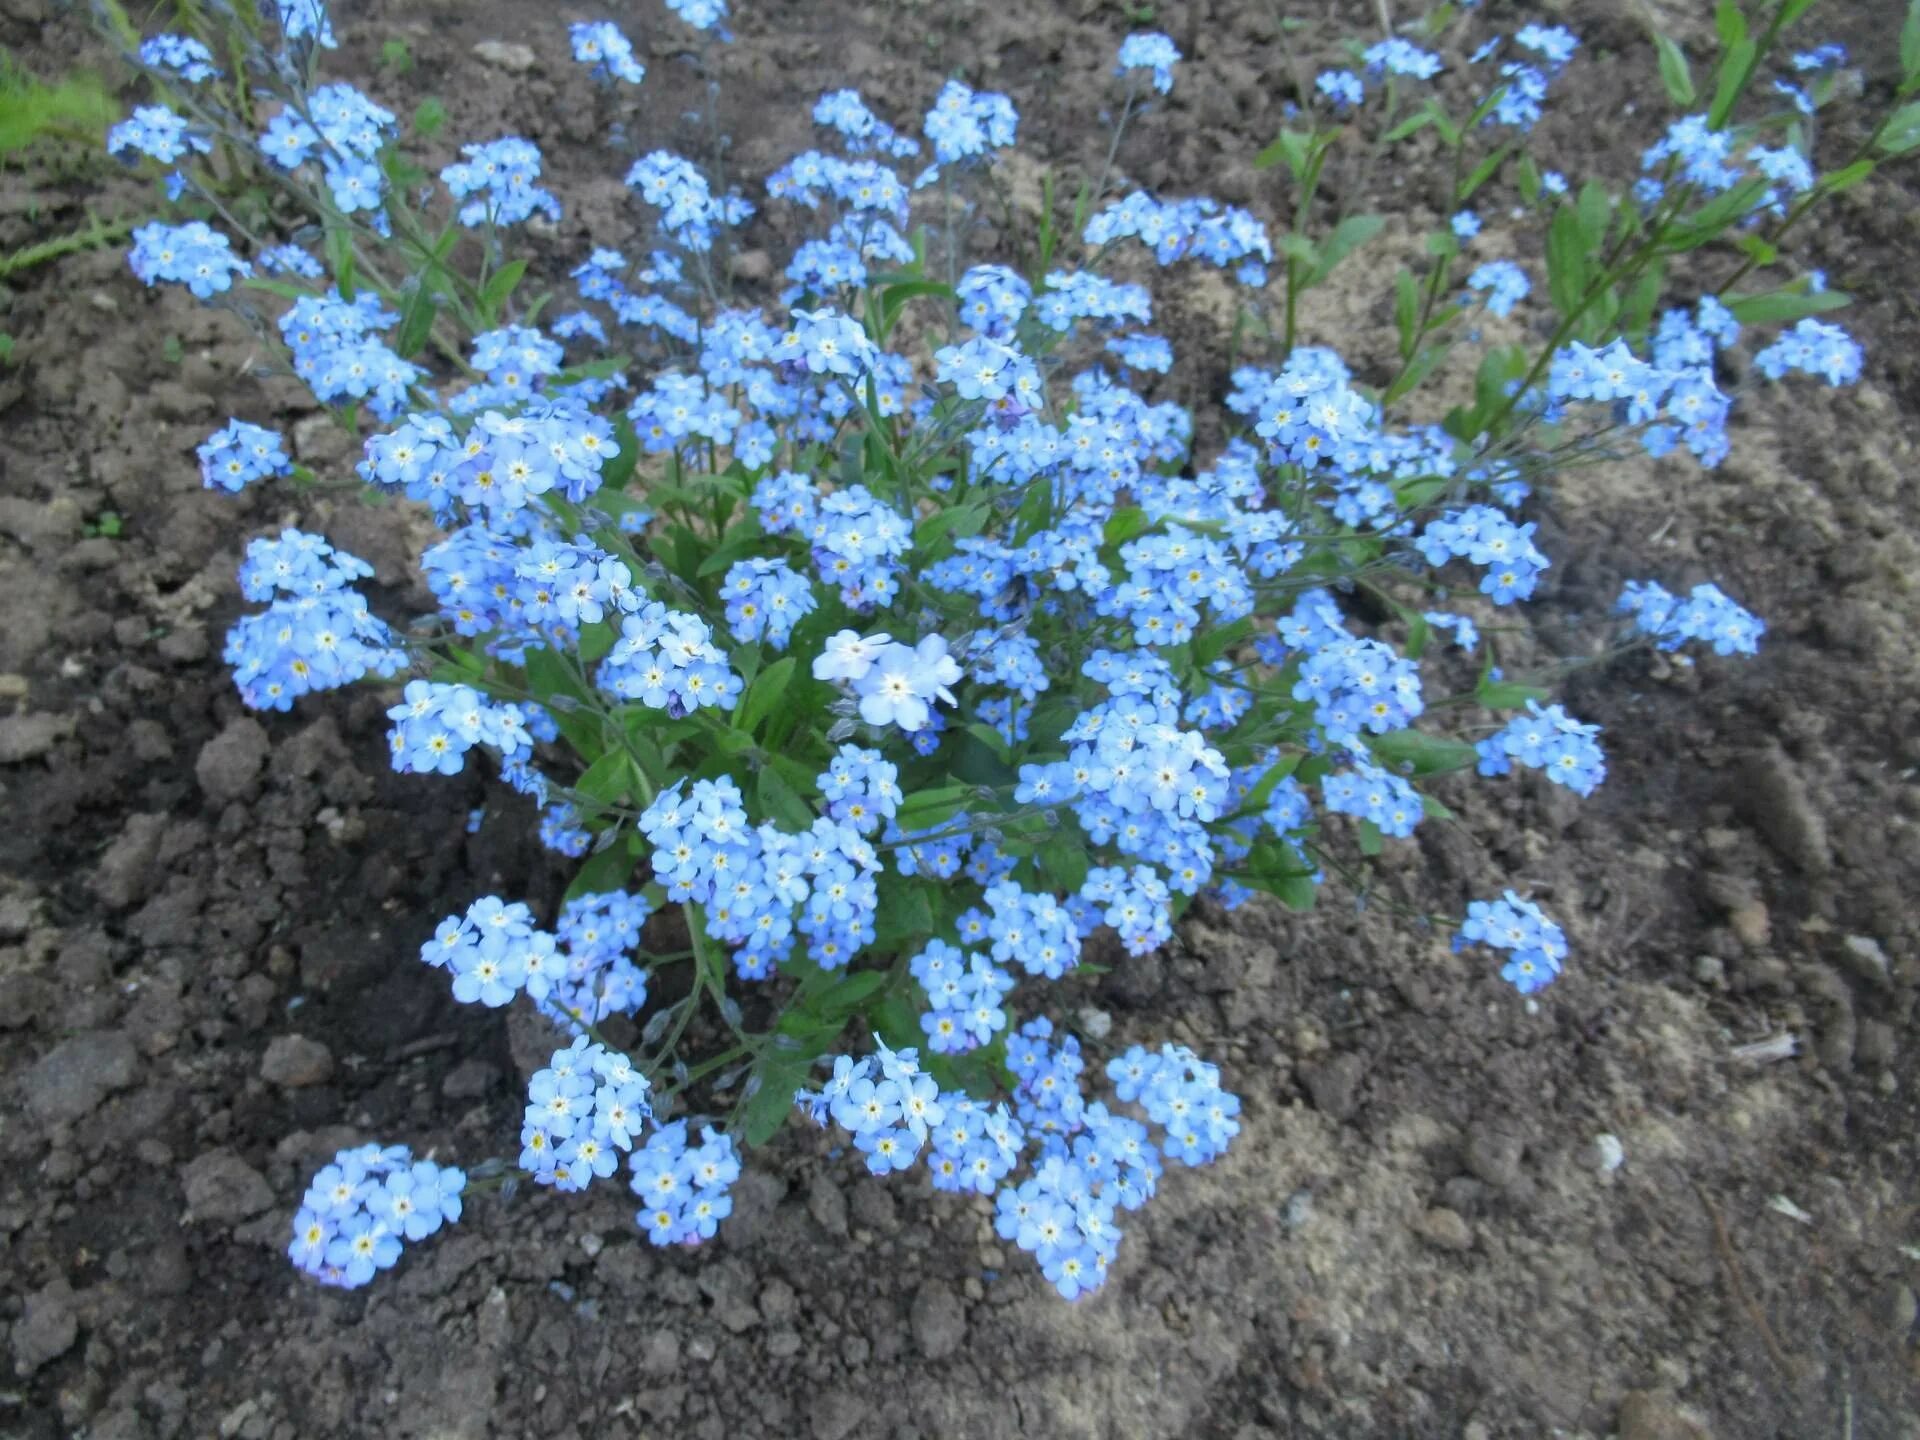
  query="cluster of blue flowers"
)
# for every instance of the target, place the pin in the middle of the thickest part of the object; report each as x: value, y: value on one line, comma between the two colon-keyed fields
x: 666, y: 660
x: 579, y: 974
x: 344, y: 131
x: 317, y: 632
x: 683, y: 1188
x: 436, y: 724
x: 1086, y: 1163
x: 1504, y: 282
x: 194, y: 255
x: 1535, y: 946
x: 765, y: 600
x: 337, y: 351
x: 1551, y: 741
x: 359, y: 1211
x: 966, y: 994
x: 497, y: 182
x: 600, y: 44
x: 1153, y: 52
x: 1482, y: 535
x: 584, y: 1110
x: 157, y: 132
x: 181, y: 56
x: 1706, y: 615
x: 895, y: 684
x: 1813, y: 347
x: 237, y: 454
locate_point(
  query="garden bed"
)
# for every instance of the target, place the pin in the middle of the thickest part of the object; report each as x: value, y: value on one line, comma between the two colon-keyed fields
x: 210, y: 922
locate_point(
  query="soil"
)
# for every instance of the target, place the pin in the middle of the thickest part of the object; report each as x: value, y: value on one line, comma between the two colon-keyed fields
x: 208, y: 919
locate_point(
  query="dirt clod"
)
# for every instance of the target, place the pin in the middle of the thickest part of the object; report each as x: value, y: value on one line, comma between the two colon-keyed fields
x: 938, y: 1319
x: 221, y: 1186
x: 231, y: 764
x: 295, y: 1062
x: 71, y: 1080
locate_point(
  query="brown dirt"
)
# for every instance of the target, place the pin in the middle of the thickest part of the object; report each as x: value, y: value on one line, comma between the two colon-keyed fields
x: 1411, y: 1237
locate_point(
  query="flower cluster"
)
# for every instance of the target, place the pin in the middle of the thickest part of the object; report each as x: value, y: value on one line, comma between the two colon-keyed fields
x: 1706, y: 614
x: 194, y: 255
x: 1551, y: 741
x: 584, y: 1110
x: 497, y: 182
x: 317, y: 632
x: 1086, y: 1163
x: 1151, y: 51
x: 336, y: 349
x: 965, y: 993
x: 682, y: 1187
x: 601, y: 45
x: 666, y: 660
x: 360, y: 1210
x: 1535, y: 946
x: 237, y: 454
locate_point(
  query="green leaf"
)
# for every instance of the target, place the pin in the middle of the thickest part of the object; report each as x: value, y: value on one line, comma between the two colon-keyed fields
x: 1675, y: 73
x: 1783, y: 307
x: 1298, y: 247
x: 782, y: 1068
x: 1123, y: 525
x: 428, y: 116
x: 780, y: 802
x: 1902, y: 132
x: 991, y: 738
x: 925, y: 809
x: 1482, y: 173
x: 1414, y: 123
x: 1368, y: 838
x: 416, y: 321
x: 1595, y: 209
x: 1295, y: 890
x: 1411, y: 752
x: 965, y: 520
x: 894, y: 298
x: 1910, y: 42
x: 284, y: 289
x: 1736, y: 68
x: 765, y: 692
x: 1406, y: 310
x: 1214, y: 641
x: 1730, y: 23
x: 848, y: 993
x: 500, y: 285
x: 1063, y: 860
x: 339, y: 248
x: 1290, y: 147
x: 1566, y: 261
x: 1507, y: 694
x: 905, y: 917
x: 1527, y: 175
x: 608, y: 778
x: 608, y: 869
x: 1848, y: 176
x: 1256, y: 799
x: 1348, y: 236
x: 1711, y: 220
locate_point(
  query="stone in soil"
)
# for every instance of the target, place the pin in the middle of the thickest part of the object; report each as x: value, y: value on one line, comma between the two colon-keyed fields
x: 938, y: 1319
x: 296, y: 1062
x: 231, y: 764
x: 69, y: 1081
x: 221, y: 1186
x: 46, y: 1329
